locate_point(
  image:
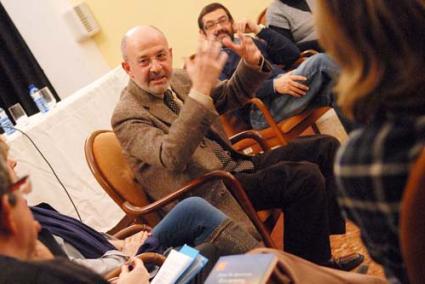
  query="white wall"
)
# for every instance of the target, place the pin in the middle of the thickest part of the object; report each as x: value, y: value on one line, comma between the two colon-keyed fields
x: 68, y: 65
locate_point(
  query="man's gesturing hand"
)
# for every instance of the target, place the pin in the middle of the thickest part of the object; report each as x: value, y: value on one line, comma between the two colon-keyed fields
x: 246, y: 26
x: 246, y: 49
x: 205, y: 68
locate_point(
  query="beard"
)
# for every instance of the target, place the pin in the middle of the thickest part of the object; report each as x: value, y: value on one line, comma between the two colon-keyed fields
x: 220, y: 34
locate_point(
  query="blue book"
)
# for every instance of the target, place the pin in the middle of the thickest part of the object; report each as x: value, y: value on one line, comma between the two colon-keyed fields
x: 243, y: 269
x: 180, y: 266
x: 198, y: 262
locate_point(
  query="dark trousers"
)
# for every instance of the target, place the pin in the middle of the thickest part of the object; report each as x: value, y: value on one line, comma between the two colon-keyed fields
x: 298, y: 178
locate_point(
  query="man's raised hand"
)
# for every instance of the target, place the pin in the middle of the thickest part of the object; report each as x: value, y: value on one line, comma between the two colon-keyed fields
x: 246, y: 26
x: 246, y: 49
x: 205, y: 68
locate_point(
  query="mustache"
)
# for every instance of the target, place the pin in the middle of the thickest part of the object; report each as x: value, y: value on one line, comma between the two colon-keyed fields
x: 155, y: 76
x: 222, y: 31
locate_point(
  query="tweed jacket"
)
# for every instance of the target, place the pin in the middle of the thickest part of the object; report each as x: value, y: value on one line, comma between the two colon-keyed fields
x: 167, y: 150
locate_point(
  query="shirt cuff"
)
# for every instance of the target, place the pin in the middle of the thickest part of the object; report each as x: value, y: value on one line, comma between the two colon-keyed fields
x: 261, y: 28
x: 259, y: 66
x: 204, y: 100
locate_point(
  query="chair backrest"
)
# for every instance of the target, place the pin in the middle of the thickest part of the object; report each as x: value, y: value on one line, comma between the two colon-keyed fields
x: 412, y: 222
x: 261, y: 19
x: 106, y: 161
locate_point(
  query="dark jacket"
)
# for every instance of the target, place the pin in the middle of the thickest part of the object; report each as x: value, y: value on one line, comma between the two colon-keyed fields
x: 57, y: 271
x: 278, y: 50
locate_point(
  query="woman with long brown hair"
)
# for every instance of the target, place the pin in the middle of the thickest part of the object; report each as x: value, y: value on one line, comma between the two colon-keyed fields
x: 380, y: 47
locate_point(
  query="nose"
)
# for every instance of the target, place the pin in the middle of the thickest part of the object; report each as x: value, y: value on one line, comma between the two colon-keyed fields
x: 12, y: 163
x: 155, y: 66
x: 37, y: 226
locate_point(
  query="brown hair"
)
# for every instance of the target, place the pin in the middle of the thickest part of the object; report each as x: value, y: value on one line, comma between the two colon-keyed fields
x: 380, y: 46
x: 211, y: 8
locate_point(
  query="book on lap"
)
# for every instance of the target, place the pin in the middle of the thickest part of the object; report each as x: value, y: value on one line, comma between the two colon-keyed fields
x: 243, y: 269
x: 180, y: 266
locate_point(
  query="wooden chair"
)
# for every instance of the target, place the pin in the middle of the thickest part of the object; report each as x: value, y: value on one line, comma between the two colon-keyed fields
x: 278, y: 133
x: 110, y: 168
x: 412, y: 222
x: 147, y: 257
x: 261, y: 19
x: 150, y: 257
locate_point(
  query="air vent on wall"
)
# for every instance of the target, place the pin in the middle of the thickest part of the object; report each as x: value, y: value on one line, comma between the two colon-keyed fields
x: 81, y: 22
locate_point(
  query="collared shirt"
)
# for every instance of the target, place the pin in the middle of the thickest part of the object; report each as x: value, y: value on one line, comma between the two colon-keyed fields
x: 104, y: 264
x: 371, y: 171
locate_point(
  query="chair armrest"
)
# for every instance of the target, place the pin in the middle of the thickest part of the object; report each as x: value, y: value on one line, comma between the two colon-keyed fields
x: 147, y: 257
x: 269, y: 118
x: 131, y: 230
x: 412, y: 221
x: 308, y: 53
x: 232, y: 185
x: 303, y: 56
x: 250, y: 134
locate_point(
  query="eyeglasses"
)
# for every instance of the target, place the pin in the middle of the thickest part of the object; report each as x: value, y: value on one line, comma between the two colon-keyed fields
x: 212, y: 24
x: 22, y: 185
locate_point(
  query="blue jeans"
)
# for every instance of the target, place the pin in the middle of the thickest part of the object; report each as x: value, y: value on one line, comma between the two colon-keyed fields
x: 320, y: 71
x: 190, y: 222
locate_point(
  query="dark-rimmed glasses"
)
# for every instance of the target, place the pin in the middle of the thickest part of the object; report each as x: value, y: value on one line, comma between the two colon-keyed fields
x: 223, y: 20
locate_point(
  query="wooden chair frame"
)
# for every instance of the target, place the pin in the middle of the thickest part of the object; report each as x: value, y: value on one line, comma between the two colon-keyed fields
x: 412, y: 222
x: 137, y: 212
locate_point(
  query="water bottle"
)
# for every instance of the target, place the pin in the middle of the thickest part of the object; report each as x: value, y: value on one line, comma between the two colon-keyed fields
x: 37, y: 98
x: 5, y: 122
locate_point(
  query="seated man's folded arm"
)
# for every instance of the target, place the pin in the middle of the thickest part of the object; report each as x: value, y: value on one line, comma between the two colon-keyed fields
x: 280, y: 49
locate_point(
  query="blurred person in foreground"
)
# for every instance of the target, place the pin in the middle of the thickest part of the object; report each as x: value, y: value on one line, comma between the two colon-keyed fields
x: 380, y: 47
x: 193, y: 221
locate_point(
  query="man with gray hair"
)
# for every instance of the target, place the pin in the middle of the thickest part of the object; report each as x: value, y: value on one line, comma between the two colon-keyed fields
x: 167, y: 122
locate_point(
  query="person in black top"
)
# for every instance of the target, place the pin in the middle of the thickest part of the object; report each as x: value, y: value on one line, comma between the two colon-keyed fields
x: 18, y: 236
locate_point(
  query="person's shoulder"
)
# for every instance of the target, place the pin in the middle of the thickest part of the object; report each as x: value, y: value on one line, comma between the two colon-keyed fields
x: 59, y: 271
x: 276, y: 8
x: 127, y: 104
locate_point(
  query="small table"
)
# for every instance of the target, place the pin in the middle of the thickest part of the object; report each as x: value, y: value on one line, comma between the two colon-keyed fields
x: 60, y: 135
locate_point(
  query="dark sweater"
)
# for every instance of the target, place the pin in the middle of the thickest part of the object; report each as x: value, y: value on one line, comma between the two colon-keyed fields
x: 59, y: 271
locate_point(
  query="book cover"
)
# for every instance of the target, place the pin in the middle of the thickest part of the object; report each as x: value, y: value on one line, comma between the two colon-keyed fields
x: 180, y: 266
x: 175, y: 264
x: 243, y: 269
x: 198, y: 263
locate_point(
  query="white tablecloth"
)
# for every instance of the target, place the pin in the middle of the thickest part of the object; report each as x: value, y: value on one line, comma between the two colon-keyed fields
x: 60, y: 134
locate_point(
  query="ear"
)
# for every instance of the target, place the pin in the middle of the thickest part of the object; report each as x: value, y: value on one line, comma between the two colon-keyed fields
x: 126, y: 67
x: 170, y: 50
x: 202, y: 34
x: 7, y: 222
